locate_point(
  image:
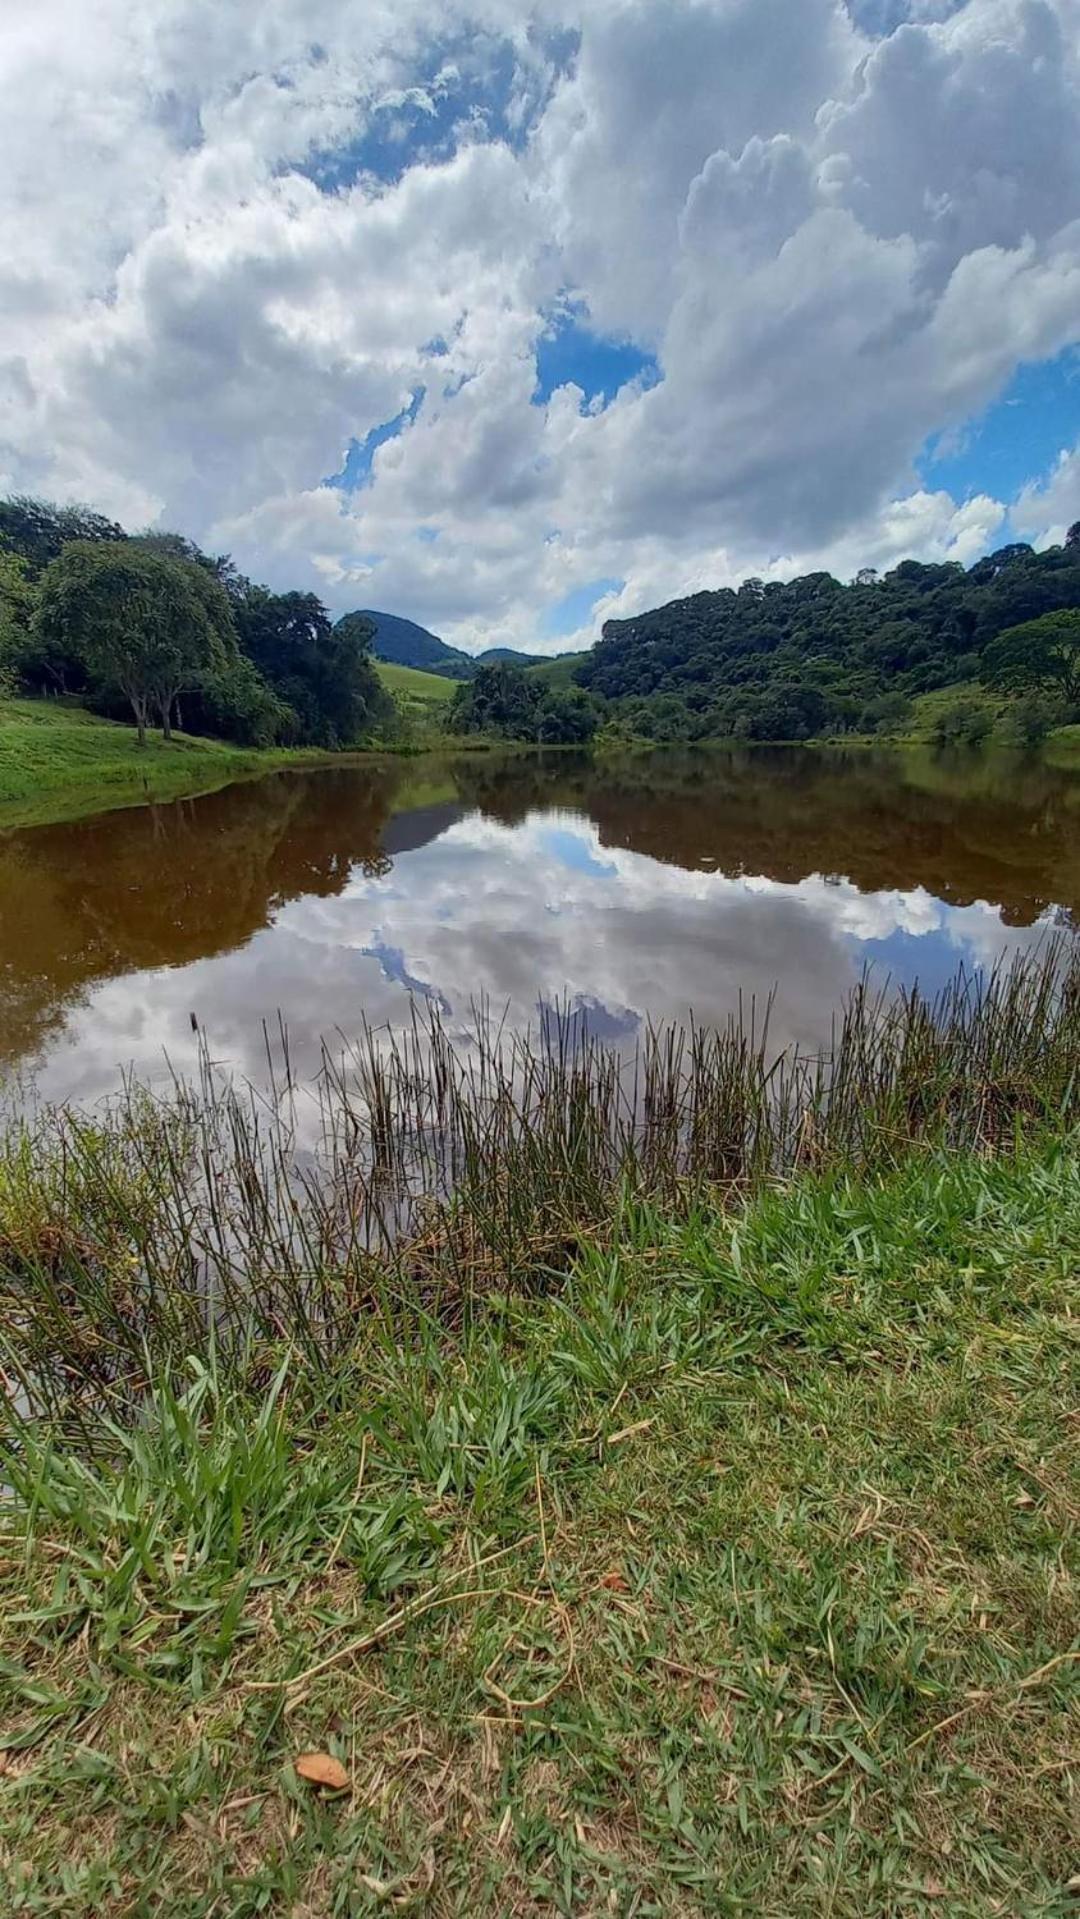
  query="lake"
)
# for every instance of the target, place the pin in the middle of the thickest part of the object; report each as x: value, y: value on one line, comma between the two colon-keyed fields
x: 605, y: 895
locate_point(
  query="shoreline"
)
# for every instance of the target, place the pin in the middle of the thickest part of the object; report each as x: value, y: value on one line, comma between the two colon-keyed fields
x: 60, y: 763
x: 745, y: 1537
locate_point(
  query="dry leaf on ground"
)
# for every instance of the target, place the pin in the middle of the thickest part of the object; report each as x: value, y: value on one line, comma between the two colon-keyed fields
x: 322, y: 1769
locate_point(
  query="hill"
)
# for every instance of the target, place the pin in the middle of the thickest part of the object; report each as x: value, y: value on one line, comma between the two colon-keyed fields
x: 423, y: 697
x: 560, y: 671
x: 404, y: 643
x: 793, y: 659
x: 411, y: 684
x: 511, y: 655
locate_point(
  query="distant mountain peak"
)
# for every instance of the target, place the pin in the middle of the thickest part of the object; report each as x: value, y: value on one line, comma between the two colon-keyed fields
x: 509, y: 654
x: 402, y: 642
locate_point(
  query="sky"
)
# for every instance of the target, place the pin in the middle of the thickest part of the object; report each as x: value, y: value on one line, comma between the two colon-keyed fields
x: 513, y: 316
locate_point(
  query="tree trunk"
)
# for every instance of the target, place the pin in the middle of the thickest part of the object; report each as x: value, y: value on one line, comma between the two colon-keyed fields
x: 138, y: 707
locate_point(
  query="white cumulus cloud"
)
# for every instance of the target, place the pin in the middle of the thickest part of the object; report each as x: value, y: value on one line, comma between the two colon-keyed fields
x: 233, y: 240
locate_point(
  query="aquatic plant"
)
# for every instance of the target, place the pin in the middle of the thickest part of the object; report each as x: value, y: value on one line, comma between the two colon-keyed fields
x: 424, y: 1172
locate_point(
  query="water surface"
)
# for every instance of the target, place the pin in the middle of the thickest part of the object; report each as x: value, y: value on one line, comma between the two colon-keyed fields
x: 676, y: 883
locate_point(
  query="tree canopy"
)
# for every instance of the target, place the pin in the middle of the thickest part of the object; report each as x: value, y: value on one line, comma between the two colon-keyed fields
x: 38, y: 530
x: 149, y: 618
x: 502, y: 700
x: 1041, y: 654
x: 145, y: 624
x: 786, y: 660
x: 323, y: 672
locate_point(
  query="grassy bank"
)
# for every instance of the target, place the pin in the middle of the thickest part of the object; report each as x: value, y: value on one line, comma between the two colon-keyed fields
x: 58, y: 761
x: 737, y: 1576
x: 684, y: 1525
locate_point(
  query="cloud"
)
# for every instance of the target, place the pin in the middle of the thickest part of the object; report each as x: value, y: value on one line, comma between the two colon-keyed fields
x: 1045, y: 511
x: 230, y: 239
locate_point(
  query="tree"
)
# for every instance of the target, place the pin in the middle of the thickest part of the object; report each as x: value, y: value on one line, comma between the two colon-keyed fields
x: 499, y: 700
x: 37, y: 530
x: 16, y: 610
x: 323, y: 672
x: 146, y: 625
x: 566, y: 717
x: 503, y: 700
x: 887, y: 714
x: 1029, y: 720
x: 963, y: 722
x: 234, y: 702
x: 1042, y: 653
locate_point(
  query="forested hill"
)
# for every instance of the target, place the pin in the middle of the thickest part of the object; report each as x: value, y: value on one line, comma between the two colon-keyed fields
x: 404, y: 643
x: 510, y: 656
x: 786, y: 661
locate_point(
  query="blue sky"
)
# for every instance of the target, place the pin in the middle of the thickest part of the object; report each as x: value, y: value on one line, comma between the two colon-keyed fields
x: 1016, y: 440
x: 571, y: 353
x: 512, y: 315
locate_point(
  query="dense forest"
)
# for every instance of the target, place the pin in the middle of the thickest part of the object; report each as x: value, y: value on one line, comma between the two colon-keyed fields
x: 502, y: 701
x: 151, y: 627
x: 812, y: 656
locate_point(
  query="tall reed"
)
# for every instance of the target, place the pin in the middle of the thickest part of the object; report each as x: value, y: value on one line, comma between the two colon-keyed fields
x: 420, y: 1172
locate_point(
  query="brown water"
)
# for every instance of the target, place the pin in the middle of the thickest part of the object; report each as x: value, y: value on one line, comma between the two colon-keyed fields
x: 677, y: 884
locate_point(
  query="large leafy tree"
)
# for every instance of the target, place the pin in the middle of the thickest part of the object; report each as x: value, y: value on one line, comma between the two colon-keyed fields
x: 33, y: 532
x: 1042, y: 654
x: 37, y: 530
x: 16, y: 610
x: 144, y: 623
x: 324, y: 673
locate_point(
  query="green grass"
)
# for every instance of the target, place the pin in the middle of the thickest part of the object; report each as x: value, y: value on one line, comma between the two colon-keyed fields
x: 681, y: 1519
x: 556, y: 673
x: 423, y: 700
x: 1063, y: 747
x: 58, y: 761
x: 412, y: 687
x: 736, y: 1574
x: 928, y: 707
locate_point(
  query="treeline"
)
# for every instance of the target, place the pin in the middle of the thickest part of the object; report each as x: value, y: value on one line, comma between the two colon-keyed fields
x: 150, y: 625
x: 503, y: 701
x: 811, y: 656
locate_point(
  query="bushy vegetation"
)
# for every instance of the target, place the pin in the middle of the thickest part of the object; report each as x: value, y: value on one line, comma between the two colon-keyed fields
x: 505, y: 701
x: 811, y: 656
x: 719, y: 1557
x: 153, y: 625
